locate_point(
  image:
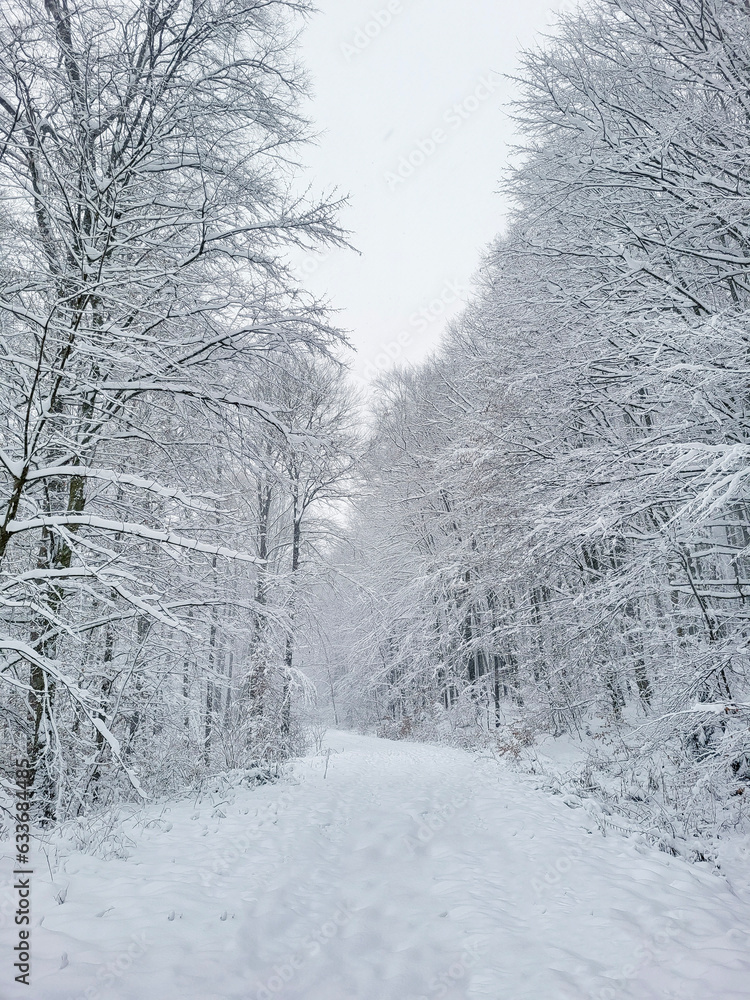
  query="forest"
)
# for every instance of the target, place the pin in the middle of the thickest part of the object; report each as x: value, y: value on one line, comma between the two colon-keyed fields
x: 212, y: 541
x: 555, y: 533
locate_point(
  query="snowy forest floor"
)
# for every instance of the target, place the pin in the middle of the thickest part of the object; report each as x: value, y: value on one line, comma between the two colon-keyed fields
x: 385, y: 871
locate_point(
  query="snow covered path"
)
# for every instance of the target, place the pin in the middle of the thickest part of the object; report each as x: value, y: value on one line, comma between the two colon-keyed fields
x: 408, y: 871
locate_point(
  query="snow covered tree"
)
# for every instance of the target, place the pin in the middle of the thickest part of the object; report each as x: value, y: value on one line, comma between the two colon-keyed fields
x: 557, y: 521
x: 145, y: 152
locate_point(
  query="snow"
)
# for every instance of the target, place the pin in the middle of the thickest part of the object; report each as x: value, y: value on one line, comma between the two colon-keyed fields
x: 15, y: 527
x: 383, y: 871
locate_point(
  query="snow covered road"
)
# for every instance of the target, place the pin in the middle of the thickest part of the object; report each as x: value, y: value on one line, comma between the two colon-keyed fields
x: 408, y: 871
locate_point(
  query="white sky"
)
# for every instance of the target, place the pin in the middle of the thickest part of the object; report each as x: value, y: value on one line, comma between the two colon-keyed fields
x: 380, y: 90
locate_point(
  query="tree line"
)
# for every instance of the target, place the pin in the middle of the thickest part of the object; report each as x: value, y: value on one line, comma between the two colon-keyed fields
x: 555, y: 534
x: 175, y: 420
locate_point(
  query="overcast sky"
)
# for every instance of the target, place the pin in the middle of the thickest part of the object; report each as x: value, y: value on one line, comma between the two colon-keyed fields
x: 408, y: 98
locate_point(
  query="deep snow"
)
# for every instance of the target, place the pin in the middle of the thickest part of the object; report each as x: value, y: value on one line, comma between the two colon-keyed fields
x: 407, y: 871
